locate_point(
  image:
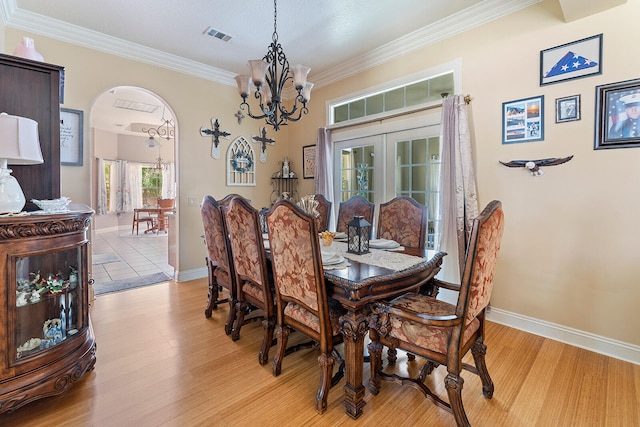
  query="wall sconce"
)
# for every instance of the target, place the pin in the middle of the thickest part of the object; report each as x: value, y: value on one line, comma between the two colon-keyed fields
x: 358, y: 232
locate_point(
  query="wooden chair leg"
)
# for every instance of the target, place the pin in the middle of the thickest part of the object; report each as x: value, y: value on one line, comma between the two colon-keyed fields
x: 212, y: 297
x: 283, y: 336
x: 241, y: 308
x: 453, y: 384
x: 228, y: 326
x: 326, y: 372
x: 268, y: 325
x: 478, y: 350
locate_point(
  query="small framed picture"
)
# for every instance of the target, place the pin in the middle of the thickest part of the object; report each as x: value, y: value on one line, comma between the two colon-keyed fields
x: 573, y: 60
x: 308, y: 161
x: 568, y: 109
x: 618, y: 115
x: 523, y: 120
x: 71, y: 131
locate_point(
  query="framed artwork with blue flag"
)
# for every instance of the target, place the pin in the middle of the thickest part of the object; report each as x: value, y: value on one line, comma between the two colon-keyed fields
x: 618, y: 115
x: 573, y: 60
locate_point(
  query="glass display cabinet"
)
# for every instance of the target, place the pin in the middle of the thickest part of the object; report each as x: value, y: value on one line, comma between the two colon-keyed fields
x: 46, y: 340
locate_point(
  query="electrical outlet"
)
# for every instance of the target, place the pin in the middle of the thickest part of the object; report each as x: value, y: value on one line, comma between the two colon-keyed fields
x: 192, y: 201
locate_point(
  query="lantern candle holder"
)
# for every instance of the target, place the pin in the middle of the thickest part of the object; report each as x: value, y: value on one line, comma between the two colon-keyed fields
x: 358, y: 234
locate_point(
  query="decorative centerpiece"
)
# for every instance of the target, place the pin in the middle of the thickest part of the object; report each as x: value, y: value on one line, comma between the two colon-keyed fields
x: 327, y: 238
x: 358, y: 233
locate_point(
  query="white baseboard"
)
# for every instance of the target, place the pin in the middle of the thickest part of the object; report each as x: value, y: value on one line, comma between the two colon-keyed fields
x: 196, y: 273
x: 596, y: 343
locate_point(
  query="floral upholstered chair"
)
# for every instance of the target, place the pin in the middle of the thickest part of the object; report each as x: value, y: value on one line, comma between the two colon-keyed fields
x: 301, y: 295
x: 440, y: 332
x: 324, y: 209
x: 219, y: 261
x: 355, y: 206
x: 252, y: 275
x: 404, y: 220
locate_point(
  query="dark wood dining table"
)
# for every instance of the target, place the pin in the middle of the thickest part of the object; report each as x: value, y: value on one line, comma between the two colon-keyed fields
x: 359, y: 285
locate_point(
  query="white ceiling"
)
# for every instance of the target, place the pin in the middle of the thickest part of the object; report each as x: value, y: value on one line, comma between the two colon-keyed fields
x: 333, y: 37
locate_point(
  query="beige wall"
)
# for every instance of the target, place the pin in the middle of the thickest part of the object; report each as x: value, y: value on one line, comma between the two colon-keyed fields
x: 569, y: 254
x: 194, y: 100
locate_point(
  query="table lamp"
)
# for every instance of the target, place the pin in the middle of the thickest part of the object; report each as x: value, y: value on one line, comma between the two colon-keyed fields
x: 19, y: 145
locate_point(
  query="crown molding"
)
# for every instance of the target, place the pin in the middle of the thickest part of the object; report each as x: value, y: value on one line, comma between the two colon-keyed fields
x: 474, y: 16
x: 479, y: 14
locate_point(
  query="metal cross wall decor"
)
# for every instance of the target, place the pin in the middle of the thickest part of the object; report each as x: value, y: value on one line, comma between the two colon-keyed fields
x: 216, y: 133
x: 263, y: 141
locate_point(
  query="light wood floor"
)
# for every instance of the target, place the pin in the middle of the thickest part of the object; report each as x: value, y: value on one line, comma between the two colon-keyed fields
x: 160, y: 362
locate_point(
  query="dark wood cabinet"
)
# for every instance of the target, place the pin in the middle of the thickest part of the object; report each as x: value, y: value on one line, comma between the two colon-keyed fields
x: 46, y: 339
x: 32, y: 89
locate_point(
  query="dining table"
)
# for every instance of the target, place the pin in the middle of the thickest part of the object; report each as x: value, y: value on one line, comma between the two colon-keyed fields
x: 360, y: 280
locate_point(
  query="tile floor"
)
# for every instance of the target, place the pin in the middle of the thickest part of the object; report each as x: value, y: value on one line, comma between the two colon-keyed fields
x: 120, y: 255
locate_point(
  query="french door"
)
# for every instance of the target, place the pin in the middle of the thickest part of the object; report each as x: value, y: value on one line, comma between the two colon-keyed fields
x: 385, y: 161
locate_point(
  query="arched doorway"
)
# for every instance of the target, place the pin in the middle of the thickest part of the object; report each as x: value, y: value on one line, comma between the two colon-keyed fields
x: 133, y: 160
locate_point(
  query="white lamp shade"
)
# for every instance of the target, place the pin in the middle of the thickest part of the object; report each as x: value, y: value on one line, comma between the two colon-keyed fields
x: 19, y: 142
x: 300, y: 73
x: 244, y: 85
x: 258, y: 71
x: 306, y: 92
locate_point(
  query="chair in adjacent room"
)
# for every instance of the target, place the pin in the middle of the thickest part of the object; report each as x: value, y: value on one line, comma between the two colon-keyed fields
x: 142, y: 217
x: 355, y: 206
x: 253, y: 278
x: 301, y: 295
x: 324, y: 209
x: 404, y: 220
x: 440, y: 332
x: 219, y: 259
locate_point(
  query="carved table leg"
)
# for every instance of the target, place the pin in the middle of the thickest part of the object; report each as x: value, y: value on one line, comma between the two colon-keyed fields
x: 354, y: 328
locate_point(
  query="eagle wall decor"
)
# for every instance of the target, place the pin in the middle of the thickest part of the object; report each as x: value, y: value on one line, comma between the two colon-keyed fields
x: 533, y: 166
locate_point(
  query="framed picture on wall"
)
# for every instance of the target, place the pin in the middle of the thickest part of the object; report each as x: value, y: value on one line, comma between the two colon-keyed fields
x: 71, y: 131
x: 309, y: 161
x: 568, y: 109
x: 618, y: 115
x: 523, y: 120
x: 573, y: 60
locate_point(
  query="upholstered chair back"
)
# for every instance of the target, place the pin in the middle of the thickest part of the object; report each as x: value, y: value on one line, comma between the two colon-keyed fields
x: 404, y: 220
x: 355, y: 206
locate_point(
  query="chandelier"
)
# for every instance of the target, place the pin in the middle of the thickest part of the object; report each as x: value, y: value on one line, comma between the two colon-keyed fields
x: 159, y: 165
x: 165, y: 130
x: 269, y: 76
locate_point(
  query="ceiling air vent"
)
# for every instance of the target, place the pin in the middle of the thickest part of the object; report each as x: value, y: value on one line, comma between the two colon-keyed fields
x: 217, y: 34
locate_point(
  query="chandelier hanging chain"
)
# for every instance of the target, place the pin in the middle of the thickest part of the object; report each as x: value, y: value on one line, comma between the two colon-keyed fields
x: 269, y: 76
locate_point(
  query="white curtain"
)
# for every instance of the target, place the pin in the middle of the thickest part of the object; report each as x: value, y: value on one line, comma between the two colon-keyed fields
x: 459, y: 193
x: 133, y: 185
x: 169, y: 182
x: 102, y: 189
x: 324, y: 169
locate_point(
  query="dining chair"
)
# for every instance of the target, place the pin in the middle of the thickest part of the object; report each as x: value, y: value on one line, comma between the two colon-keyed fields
x: 219, y: 259
x: 253, y: 279
x: 302, y: 303
x: 145, y: 218
x: 324, y: 209
x: 404, y: 220
x: 356, y: 205
x: 440, y: 332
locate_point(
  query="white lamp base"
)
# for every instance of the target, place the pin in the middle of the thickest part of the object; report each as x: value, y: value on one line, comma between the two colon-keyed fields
x: 11, y: 196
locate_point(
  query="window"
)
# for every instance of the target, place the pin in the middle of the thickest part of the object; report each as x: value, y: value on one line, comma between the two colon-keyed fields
x: 406, y: 97
x: 151, y: 183
x: 397, y: 154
